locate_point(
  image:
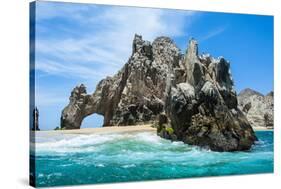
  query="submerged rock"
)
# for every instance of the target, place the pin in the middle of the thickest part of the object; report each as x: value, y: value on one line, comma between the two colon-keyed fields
x: 257, y: 107
x: 190, y: 97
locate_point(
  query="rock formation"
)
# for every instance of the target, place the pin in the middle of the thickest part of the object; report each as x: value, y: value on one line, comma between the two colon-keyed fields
x: 257, y: 107
x: 202, y: 109
x: 191, y: 95
x: 135, y: 95
x: 35, y: 124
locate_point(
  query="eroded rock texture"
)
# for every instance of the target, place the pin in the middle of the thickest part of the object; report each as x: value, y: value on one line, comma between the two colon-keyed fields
x: 191, y: 95
x: 257, y: 107
x: 202, y: 110
x: 135, y: 95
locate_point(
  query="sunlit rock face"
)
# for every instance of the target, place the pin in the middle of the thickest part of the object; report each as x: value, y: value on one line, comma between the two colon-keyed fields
x: 191, y: 95
x: 257, y: 107
x: 135, y: 95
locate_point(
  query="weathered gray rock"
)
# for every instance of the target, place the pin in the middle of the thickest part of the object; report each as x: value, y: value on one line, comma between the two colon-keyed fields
x: 257, y: 107
x: 135, y: 95
x: 191, y: 95
x: 203, y: 109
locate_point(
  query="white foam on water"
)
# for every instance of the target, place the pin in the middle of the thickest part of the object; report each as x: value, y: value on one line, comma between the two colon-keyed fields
x: 129, y: 166
x: 40, y: 175
x: 66, y: 165
x: 100, y: 165
x: 52, y: 175
x: 148, y: 137
x: 64, y: 143
x: 74, y: 143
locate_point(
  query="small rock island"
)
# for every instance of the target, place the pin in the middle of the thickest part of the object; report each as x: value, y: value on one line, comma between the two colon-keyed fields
x: 35, y: 121
x: 188, y: 97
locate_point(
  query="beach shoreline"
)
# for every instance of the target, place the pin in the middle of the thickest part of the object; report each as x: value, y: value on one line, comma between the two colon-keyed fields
x: 262, y: 129
x: 119, y: 129
x: 105, y: 130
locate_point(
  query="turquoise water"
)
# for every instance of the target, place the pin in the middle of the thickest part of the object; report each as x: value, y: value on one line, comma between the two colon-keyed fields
x: 88, y: 159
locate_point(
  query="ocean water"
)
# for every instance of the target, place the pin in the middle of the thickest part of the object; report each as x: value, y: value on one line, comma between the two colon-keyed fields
x: 106, y: 158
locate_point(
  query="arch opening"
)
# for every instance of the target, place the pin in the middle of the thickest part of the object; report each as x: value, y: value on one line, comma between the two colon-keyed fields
x: 93, y: 121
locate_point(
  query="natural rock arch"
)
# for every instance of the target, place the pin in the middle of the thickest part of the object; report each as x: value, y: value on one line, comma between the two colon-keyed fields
x: 194, y: 93
x: 135, y: 95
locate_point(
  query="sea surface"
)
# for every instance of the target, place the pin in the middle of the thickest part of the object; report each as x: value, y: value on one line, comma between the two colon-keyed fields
x: 106, y: 158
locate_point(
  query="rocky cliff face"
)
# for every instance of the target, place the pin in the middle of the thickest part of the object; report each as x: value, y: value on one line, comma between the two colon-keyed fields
x: 135, y: 95
x: 202, y: 108
x: 189, y: 97
x: 257, y: 107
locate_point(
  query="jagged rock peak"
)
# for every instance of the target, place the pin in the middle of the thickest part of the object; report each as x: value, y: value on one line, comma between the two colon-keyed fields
x: 249, y: 92
x: 202, y: 109
x: 141, y: 46
x: 192, y: 51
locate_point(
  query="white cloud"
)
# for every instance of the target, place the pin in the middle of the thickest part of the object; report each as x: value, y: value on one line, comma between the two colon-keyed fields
x: 55, y: 68
x: 213, y: 33
x: 106, y: 46
x: 49, y: 99
x: 49, y: 10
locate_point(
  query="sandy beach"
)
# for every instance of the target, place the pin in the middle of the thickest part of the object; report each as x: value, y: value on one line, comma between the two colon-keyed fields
x: 262, y: 129
x: 120, y: 129
x: 101, y: 130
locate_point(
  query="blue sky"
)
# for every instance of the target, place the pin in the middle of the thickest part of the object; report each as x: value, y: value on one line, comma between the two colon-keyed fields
x: 83, y: 43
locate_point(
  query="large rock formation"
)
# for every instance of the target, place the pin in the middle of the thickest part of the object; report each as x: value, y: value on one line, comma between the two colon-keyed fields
x: 202, y: 109
x: 135, y: 95
x: 191, y: 95
x: 257, y: 107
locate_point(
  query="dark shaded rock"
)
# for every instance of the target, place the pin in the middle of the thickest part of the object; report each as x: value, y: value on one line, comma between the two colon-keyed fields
x: 35, y: 124
x: 162, y: 119
x: 247, y: 107
x: 164, y: 128
x: 203, y: 109
x: 190, y: 97
x: 257, y: 107
x: 57, y: 128
x: 73, y: 114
